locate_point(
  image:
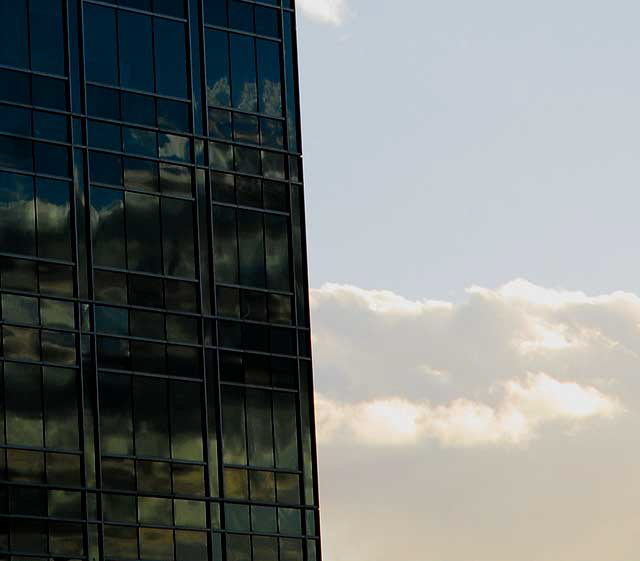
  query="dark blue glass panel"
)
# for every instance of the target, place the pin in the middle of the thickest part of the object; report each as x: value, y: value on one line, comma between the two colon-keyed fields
x: 15, y: 86
x: 220, y: 124
x: 267, y: 21
x: 135, y: 51
x: 14, y: 47
x: 243, y: 73
x: 289, y: 68
x: 171, y: 58
x: 169, y: 7
x: 143, y: 233
x: 139, y: 109
x: 47, y: 36
x: 272, y: 133
x: 140, y: 142
x: 16, y: 153
x: 173, y: 147
x: 103, y: 102
x: 251, y: 248
x: 17, y: 214
x: 101, y: 51
x: 104, y: 135
x: 177, y: 238
x: 15, y: 120
x: 241, y: 16
x: 53, y: 212
x: 215, y: 12
x: 139, y: 4
x: 105, y: 168
x: 173, y: 115
x: 277, y: 252
x: 269, y: 86
x: 217, y: 52
x: 50, y: 126
x: 49, y: 92
x: 245, y: 128
x: 51, y: 159
x: 225, y: 244
x: 107, y: 224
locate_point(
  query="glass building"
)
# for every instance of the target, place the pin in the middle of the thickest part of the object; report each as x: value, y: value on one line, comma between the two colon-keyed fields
x: 155, y: 371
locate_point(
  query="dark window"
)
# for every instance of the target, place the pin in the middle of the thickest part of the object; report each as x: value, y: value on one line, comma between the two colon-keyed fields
x: 267, y: 21
x: 215, y: 12
x: 170, y: 58
x: 226, y: 245
x: 241, y: 16
x: 14, y: 47
x: 101, y: 49
x: 177, y: 232
x: 139, y: 109
x: 218, y: 82
x: 143, y: 233
x: 17, y: 214
x: 135, y: 51
x: 269, y: 87
x: 107, y: 222
x: 251, y: 248
x: 115, y: 414
x: 46, y: 34
x: 53, y: 215
x: 243, y: 73
x: 151, y: 417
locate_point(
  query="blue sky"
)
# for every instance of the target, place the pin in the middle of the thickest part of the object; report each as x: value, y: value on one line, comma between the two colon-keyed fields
x: 472, y: 180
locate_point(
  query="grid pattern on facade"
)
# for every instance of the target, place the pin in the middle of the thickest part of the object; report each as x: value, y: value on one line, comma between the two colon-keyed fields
x: 155, y: 373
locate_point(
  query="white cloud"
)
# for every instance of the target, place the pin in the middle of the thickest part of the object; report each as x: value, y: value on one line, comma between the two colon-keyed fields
x: 526, y: 405
x: 509, y: 413
x: 325, y: 11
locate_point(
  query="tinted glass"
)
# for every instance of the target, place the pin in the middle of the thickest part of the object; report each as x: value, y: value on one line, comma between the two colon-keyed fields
x: 17, y: 214
x: 135, y: 51
x: 107, y: 213
x: 14, y: 47
x: 269, y: 88
x: 243, y: 73
x: 53, y: 215
x: 46, y: 35
x: 170, y: 57
x: 218, y: 82
x: 101, y: 49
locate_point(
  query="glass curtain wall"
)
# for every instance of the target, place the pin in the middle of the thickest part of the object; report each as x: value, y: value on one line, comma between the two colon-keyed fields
x: 155, y: 362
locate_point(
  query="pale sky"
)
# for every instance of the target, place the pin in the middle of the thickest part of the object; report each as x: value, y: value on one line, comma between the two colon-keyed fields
x: 473, y: 201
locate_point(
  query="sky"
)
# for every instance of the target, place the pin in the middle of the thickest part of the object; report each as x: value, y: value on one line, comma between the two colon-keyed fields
x: 472, y: 212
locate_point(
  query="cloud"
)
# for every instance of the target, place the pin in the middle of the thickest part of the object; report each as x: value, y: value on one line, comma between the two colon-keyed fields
x: 526, y: 405
x: 509, y: 413
x: 324, y: 11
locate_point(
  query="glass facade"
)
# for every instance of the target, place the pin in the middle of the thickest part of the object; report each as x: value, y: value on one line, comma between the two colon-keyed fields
x: 155, y: 363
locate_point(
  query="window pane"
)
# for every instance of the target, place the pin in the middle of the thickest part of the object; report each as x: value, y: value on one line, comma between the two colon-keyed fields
x: 171, y: 58
x: 251, y: 245
x: 265, y: 549
x: 46, y: 33
x: 267, y: 21
x: 285, y: 428
x: 107, y: 221
x: 15, y: 120
x: 218, y: 88
x: 140, y: 142
x: 51, y: 160
x: 175, y: 180
x: 269, y: 87
x: 259, y: 428
x: 61, y: 408
x: 16, y: 153
x: 151, y: 417
x: 120, y: 541
x: 226, y: 245
x: 215, y: 12
x: 135, y: 54
x: 105, y: 168
x: 156, y: 544
x: 100, y: 44
x: 14, y: 49
x: 115, y: 414
x: 140, y: 174
x: 53, y: 207
x: 49, y: 92
x: 49, y: 126
x: 238, y: 548
x: 139, y: 109
x: 143, y: 233
x: 233, y: 422
x: 23, y: 394
x: 263, y: 486
x: 177, y: 233
x: 277, y: 251
x: 153, y: 510
x: 243, y: 73
x: 186, y: 421
x: 173, y: 115
x: 241, y: 16
x: 17, y: 214
x: 103, y: 102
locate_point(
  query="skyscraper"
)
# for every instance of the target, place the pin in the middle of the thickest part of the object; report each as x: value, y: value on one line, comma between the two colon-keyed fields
x: 155, y: 374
